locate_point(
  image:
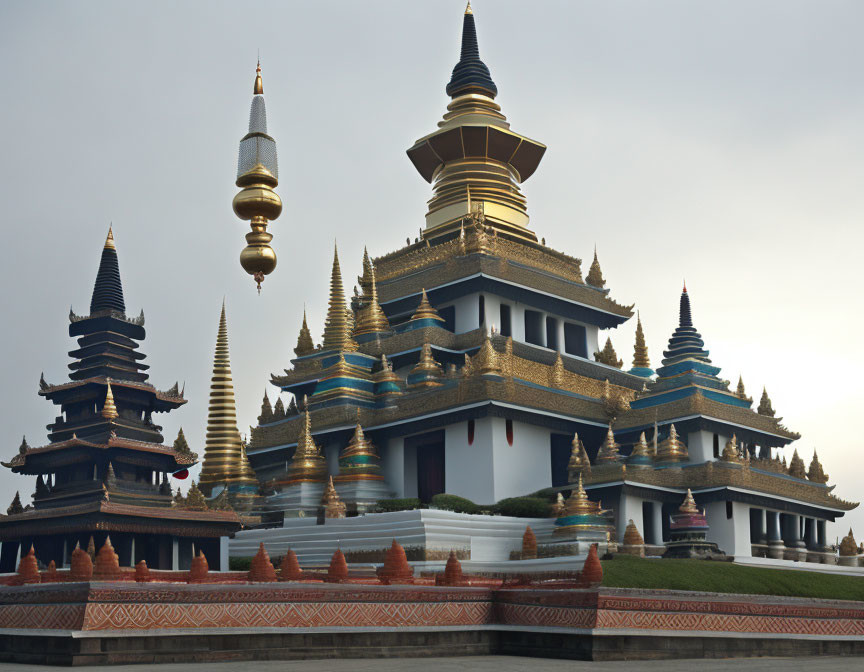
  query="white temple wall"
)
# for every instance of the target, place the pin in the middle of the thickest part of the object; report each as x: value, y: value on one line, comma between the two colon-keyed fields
x: 700, y: 445
x: 468, y: 469
x: 592, y: 339
x: 524, y: 467
x: 629, y: 508
x: 732, y: 535
x: 467, y: 313
x: 393, y: 465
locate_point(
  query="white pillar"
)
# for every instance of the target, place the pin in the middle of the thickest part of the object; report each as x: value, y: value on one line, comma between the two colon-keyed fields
x: 560, y: 332
x: 132, y: 552
x: 175, y: 553
x: 657, y: 514
x: 223, y: 554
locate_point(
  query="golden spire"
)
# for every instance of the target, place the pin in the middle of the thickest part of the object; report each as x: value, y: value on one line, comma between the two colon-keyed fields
x: 425, y: 311
x: 608, y: 355
x: 305, y: 345
x: 815, y: 472
x: 259, y: 85
x: 579, y: 462
x: 641, y: 449
x: 672, y: 449
x: 468, y: 9
x: 640, y: 350
x: 689, y: 504
x: 337, y: 330
x: 307, y: 464
x: 486, y: 359
x: 371, y: 319
x: 765, y: 407
x: 796, y: 466
x: 109, y: 410
x: 223, y: 449
x: 595, y: 275
x: 609, y: 450
x: 730, y: 451
x: 109, y: 241
x: 427, y: 372
x: 632, y: 536
x: 257, y: 177
x: 333, y: 505
x: 741, y: 392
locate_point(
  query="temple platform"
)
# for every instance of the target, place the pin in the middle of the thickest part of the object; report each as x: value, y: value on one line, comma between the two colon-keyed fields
x: 425, y: 534
x: 93, y: 623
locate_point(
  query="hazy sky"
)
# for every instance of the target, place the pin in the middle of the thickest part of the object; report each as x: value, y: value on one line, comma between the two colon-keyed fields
x: 718, y: 142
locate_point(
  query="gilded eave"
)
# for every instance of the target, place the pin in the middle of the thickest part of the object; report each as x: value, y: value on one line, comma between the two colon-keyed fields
x: 721, y: 474
x: 698, y: 405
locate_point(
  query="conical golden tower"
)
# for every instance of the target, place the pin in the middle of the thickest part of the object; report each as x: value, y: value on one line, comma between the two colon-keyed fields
x: 337, y: 328
x: 224, y: 457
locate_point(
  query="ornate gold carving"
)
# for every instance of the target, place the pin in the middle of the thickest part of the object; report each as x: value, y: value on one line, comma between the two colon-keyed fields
x: 796, y: 466
x: 595, y: 275
x: 848, y: 546
x: 741, y: 393
x: 609, y: 451
x: 608, y: 355
x: 371, y: 318
x: 333, y: 505
x: 579, y: 462
x: 556, y: 373
x: 815, y: 473
x: 641, y: 448
x: 307, y: 464
x: 689, y: 504
x: 640, y: 350
x: 730, y: 451
x: 632, y: 536
x: 765, y: 407
x: 109, y: 410
x: 672, y: 449
x: 425, y: 311
x: 486, y: 360
x: 305, y: 345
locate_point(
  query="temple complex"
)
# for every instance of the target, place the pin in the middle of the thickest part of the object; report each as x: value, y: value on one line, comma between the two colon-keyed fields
x: 469, y: 362
x: 105, y: 470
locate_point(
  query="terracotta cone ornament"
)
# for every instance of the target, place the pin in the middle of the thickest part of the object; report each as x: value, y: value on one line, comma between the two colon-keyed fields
x: 261, y: 569
x: 452, y: 572
x: 28, y: 568
x: 107, y: 565
x: 80, y: 565
x: 289, y: 568
x: 396, y: 567
x: 529, y: 544
x: 338, y: 570
x: 199, y: 569
x: 592, y: 571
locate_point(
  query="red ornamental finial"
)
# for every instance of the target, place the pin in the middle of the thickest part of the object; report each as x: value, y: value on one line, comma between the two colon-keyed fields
x: 685, y: 286
x: 258, y: 278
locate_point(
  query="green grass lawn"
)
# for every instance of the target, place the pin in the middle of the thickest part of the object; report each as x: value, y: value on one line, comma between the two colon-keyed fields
x: 725, y: 577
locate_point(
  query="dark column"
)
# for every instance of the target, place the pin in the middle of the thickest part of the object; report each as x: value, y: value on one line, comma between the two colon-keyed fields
x: 8, y: 556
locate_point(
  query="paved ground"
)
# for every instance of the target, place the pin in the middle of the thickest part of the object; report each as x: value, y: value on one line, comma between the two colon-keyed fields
x: 487, y: 664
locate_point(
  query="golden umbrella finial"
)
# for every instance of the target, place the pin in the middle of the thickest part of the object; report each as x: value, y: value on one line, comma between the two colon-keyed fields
x: 259, y: 85
x: 109, y: 410
x: 109, y: 241
x: 468, y: 9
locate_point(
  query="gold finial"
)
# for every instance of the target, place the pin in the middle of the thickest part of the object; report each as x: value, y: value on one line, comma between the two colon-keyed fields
x: 307, y: 464
x: 689, y: 504
x: 425, y: 311
x: 109, y: 410
x: 595, y: 275
x: 486, y: 359
x: 468, y: 9
x: 578, y: 462
x: 223, y: 448
x: 371, y: 318
x: 609, y: 450
x: 305, y: 345
x: 796, y: 466
x: 333, y: 505
x: 765, y: 407
x: 608, y: 355
x: 337, y: 329
x: 109, y: 241
x: 427, y: 364
x: 640, y: 448
x: 359, y: 461
x: 672, y: 449
x: 730, y: 451
x: 816, y: 473
x: 640, y: 350
x: 578, y: 503
x: 259, y: 85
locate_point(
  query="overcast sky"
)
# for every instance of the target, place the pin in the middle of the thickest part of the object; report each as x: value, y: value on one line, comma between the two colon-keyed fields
x: 717, y: 142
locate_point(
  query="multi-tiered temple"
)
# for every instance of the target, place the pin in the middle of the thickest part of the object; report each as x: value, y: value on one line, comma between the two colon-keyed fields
x: 105, y: 469
x: 469, y: 360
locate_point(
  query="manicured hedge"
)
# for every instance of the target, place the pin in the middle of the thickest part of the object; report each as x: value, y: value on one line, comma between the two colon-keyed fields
x: 523, y: 507
x: 549, y: 494
x: 454, y: 503
x: 403, y: 504
x: 239, y: 564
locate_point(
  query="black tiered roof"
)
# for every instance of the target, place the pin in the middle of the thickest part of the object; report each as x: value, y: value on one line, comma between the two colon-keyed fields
x: 470, y: 74
x: 108, y: 290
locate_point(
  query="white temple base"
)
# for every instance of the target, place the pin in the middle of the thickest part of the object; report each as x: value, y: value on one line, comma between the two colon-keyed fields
x: 300, y: 497
x: 480, y: 537
x: 363, y: 494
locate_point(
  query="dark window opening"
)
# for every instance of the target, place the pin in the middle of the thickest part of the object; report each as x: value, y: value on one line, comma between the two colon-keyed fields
x: 649, y: 534
x: 470, y: 432
x: 430, y: 471
x: 533, y: 327
x: 448, y: 314
x: 716, y: 445
x: 551, y: 333
x: 482, y: 310
x: 508, y: 428
x: 575, y: 340
x: 560, y: 454
x: 506, y: 328
x: 729, y: 510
